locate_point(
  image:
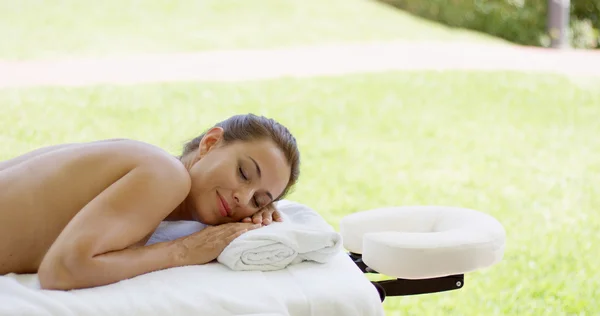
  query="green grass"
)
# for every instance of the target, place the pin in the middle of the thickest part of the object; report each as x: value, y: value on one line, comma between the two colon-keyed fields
x: 48, y: 29
x: 523, y: 148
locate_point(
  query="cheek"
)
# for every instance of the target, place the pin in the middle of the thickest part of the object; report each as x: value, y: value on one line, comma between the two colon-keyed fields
x: 209, y: 175
x: 282, y: 181
x: 226, y: 177
x: 200, y: 174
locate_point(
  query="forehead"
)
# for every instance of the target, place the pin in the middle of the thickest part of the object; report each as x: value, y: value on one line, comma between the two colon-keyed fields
x: 275, y: 170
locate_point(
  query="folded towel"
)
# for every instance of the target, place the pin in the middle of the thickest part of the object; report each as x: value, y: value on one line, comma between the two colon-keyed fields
x: 302, y: 236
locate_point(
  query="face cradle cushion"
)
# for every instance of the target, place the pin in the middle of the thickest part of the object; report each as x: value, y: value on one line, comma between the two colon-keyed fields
x: 420, y: 242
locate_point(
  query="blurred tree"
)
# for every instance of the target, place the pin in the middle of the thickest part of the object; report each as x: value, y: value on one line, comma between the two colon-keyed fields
x: 520, y: 21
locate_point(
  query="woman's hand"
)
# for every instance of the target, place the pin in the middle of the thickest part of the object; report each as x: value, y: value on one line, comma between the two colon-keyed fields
x: 207, y: 244
x: 266, y: 216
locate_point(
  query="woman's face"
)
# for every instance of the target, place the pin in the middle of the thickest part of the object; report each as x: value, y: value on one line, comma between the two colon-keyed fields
x: 234, y: 181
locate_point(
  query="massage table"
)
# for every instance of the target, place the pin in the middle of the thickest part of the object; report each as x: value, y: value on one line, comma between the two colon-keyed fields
x: 425, y: 249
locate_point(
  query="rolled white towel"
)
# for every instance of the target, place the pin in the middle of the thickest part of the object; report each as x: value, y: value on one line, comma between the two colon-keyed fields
x: 302, y: 236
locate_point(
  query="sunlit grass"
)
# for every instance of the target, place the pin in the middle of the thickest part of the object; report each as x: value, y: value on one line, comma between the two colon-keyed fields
x: 523, y: 148
x: 43, y: 29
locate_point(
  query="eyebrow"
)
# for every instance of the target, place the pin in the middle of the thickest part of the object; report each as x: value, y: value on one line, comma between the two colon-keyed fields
x: 260, y: 174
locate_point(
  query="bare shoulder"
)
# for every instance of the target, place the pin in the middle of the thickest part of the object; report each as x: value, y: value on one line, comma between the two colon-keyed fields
x: 97, y: 164
x: 167, y: 168
x: 153, y: 159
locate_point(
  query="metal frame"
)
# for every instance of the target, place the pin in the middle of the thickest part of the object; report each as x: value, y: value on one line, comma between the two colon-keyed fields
x: 404, y: 287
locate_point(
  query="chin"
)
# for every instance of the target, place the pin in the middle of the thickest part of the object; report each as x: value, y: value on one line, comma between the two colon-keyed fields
x: 206, y: 220
x: 200, y: 218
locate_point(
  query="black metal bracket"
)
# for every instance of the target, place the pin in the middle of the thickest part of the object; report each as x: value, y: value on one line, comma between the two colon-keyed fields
x: 403, y: 287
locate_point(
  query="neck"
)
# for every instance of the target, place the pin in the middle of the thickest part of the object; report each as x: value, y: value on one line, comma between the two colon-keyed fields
x: 184, y: 211
x: 187, y: 160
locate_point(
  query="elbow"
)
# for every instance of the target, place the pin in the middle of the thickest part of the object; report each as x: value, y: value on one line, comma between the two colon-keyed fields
x: 60, y: 273
x: 53, y: 274
x: 49, y: 282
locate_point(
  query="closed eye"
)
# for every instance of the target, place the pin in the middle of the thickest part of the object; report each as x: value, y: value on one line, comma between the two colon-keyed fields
x: 256, y: 202
x: 242, y: 174
x: 245, y: 178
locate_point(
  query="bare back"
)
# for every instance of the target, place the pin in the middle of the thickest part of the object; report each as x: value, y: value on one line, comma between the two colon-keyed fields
x: 41, y: 192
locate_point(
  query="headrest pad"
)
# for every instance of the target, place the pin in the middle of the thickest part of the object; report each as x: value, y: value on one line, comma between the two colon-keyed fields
x: 416, y: 242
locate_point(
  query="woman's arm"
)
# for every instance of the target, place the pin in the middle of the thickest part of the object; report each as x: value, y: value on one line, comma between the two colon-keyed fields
x: 92, y: 249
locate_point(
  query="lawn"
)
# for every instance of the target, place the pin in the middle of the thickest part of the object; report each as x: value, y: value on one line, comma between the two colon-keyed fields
x: 523, y: 148
x: 48, y: 29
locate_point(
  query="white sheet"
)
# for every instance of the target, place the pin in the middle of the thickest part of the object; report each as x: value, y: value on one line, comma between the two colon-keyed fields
x: 336, y: 288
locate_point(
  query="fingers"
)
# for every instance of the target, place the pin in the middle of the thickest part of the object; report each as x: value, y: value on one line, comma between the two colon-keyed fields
x: 240, y: 226
x: 267, y: 215
x: 257, y: 218
x: 267, y: 219
x: 237, y: 231
x: 277, y: 216
x: 233, y: 236
x: 231, y: 228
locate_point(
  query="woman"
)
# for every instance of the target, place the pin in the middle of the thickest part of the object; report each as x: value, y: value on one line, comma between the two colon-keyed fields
x: 80, y: 214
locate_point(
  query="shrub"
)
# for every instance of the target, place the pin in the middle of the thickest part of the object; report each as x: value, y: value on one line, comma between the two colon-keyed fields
x: 586, y: 23
x: 519, y: 21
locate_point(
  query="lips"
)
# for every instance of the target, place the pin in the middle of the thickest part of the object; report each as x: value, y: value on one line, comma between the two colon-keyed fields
x: 223, y: 206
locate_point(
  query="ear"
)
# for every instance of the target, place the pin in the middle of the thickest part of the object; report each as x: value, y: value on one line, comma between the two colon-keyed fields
x: 211, y: 139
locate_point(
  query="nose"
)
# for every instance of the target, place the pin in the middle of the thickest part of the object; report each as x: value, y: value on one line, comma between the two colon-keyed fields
x: 242, y: 196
